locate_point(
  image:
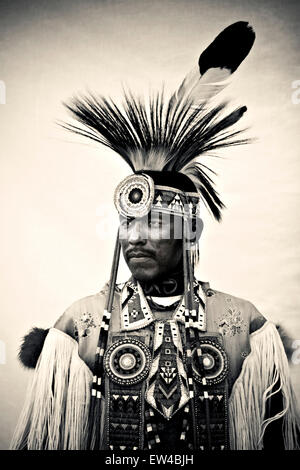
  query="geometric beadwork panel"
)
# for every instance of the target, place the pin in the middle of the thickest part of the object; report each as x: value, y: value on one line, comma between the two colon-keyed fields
x: 126, y: 362
x: 211, y: 410
x: 124, y: 420
x: 167, y: 387
x: 210, y: 370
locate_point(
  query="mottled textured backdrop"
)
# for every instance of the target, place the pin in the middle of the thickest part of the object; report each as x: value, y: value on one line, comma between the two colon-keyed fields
x: 56, y: 191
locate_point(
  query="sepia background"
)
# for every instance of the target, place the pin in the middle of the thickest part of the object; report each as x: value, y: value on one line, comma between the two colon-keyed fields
x: 56, y: 190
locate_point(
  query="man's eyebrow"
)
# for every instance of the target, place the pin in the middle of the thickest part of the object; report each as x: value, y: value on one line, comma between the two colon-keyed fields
x: 126, y: 219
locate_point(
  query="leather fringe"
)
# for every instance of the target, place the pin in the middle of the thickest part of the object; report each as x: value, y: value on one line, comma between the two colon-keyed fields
x: 55, y: 413
x: 265, y: 366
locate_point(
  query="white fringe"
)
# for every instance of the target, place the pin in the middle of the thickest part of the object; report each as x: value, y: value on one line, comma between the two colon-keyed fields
x: 55, y: 413
x: 266, y: 363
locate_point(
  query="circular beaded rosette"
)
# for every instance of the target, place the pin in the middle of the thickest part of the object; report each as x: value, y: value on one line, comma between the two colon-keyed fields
x: 212, y: 364
x: 127, y: 361
x: 134, y: 196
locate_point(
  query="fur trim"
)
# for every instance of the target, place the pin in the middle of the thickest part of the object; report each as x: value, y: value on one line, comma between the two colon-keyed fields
x: 32, y: 346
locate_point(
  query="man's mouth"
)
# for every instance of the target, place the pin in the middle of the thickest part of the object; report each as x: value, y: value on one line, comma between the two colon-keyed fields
x: 139, y: 255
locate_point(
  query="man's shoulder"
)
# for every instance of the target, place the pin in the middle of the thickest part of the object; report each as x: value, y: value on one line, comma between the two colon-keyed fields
x: 97, y: 299
x: 234, y: 305
x: 92, y: 305
x: 224, y: 296
x: 91, y: 301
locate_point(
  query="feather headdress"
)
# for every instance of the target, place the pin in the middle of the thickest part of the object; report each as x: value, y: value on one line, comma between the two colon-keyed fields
x: 170, y: 134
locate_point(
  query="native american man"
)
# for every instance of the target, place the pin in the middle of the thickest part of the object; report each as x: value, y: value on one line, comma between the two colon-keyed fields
x: 164, y: 360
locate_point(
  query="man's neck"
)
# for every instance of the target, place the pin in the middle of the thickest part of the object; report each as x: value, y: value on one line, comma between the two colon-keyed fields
x: 167, y: 286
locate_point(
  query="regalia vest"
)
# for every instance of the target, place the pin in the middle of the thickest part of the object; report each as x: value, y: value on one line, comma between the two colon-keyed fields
x: 146, y: 382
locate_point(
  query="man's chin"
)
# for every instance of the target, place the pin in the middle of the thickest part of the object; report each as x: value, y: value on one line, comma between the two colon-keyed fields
x: 143, y: 273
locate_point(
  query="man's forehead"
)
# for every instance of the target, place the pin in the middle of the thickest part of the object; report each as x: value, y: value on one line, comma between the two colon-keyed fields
x: 165, y: 217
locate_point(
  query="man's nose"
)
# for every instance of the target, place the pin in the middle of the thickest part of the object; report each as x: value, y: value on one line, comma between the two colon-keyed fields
x: 137, y: 232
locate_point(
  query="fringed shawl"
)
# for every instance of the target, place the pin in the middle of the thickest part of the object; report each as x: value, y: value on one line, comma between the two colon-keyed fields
x: 55, y: 413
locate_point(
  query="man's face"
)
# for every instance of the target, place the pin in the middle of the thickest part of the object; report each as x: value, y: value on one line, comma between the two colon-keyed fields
x: 152, y: 245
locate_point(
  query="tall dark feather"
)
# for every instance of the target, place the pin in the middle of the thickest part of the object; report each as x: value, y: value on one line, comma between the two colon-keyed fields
x: 229, y: 48
x: 217, y: 63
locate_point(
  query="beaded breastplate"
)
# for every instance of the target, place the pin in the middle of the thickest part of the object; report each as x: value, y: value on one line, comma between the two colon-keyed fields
x: 146, y: 377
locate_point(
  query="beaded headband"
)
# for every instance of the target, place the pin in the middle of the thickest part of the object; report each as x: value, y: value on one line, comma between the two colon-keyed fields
x: 137, y: 195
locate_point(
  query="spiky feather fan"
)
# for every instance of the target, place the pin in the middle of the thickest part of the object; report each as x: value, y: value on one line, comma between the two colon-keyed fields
x: 170, y: 134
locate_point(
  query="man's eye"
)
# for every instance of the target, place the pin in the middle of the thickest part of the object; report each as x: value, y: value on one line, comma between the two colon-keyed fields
x: 126, y: 222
